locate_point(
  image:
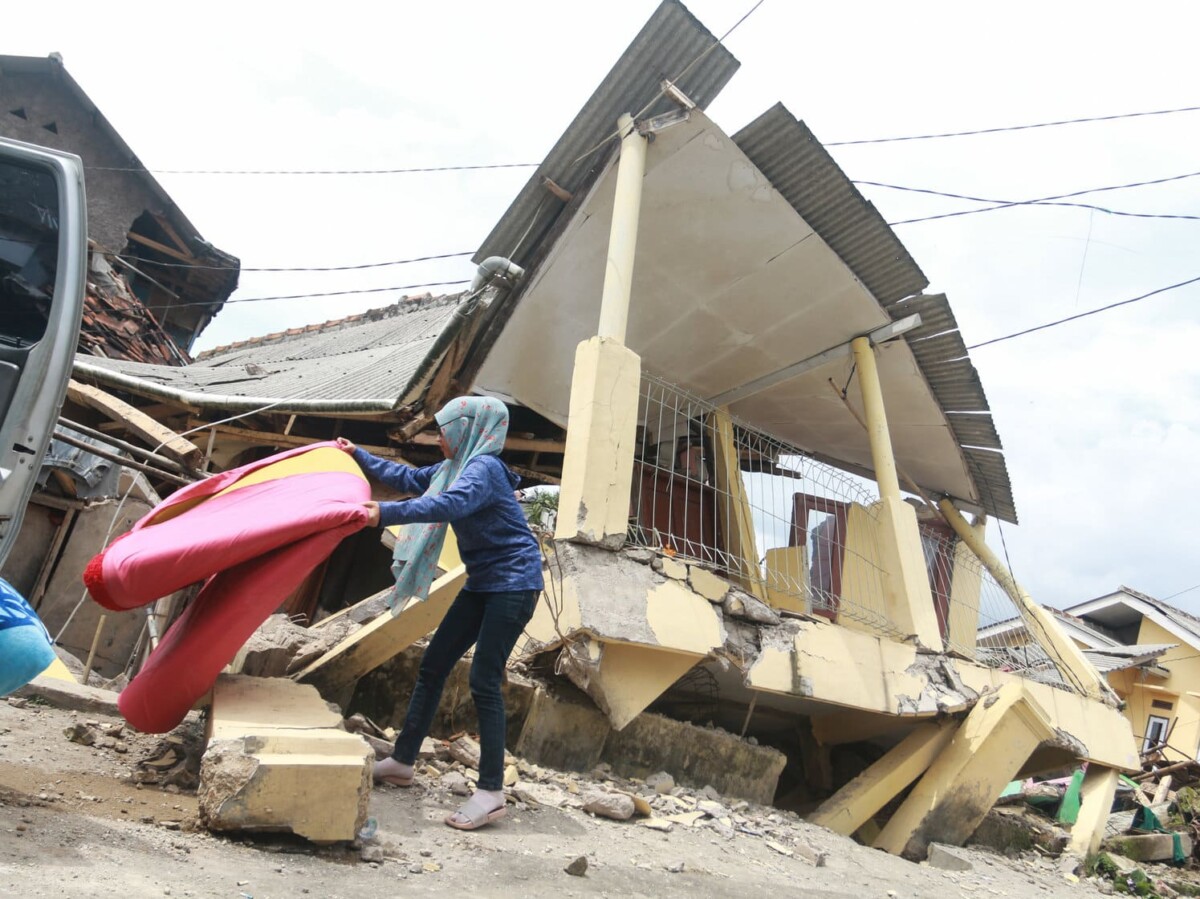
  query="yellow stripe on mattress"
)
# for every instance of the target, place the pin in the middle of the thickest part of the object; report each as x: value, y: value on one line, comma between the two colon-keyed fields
x: 325, y: 459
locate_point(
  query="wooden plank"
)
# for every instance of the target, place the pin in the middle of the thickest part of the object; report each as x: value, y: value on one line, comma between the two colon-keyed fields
x: 137, y: 422
x: 161, y: 248
x: 526, y: 444
x: 273, y: 438
x: 172, y: 233
x: 336, y: 673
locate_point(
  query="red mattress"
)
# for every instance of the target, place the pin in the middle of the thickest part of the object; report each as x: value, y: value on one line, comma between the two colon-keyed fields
x: 252, y: 535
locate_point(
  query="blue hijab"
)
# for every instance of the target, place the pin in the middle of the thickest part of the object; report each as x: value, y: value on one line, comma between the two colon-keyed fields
x: 472, y: 426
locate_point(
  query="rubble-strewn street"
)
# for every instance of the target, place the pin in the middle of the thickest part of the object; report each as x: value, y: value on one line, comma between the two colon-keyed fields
x: 79, y: 808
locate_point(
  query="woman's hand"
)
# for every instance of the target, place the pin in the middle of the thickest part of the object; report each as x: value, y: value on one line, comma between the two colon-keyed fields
x: 372, y: 512
x: 346, y: 446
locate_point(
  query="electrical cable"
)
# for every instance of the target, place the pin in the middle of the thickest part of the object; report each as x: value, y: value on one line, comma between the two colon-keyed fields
x: 1072, y: 318
x: 297, y: 268
x: 616, y: 135
x: 1104, y: 118
x: 327, y: 293
x: 308, y: 390
x: 1045, y: 200
x: 1002, y: 204
x: 407, y: 171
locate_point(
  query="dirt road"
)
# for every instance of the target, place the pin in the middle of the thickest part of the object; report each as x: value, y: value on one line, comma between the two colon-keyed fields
x: 73, y: 824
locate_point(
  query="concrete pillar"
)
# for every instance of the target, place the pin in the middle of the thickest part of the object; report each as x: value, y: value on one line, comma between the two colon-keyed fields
x: 857, y: 802
x: 624, y: 678
x: 965, y: 779
x: 1099, y: 788
x: 277, y: 760
x: 622, y: 238
x: 597, y: 480
x: 907, y: 597
x: 1042, y: 627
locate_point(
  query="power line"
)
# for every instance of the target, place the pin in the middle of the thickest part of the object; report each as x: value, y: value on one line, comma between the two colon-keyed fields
x: 1181, y: 592
x: 1045, y: 200
x: 322, y: 268
x: 616, y: 135
x: 327, y: 293
x: 1003, y: 204
x: 1072, y: 318
x: 408, y: 171
x: 1105, y: 118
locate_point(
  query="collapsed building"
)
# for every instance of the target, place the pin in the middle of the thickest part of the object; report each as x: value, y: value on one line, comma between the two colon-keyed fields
x: 153, y: 285
x: 776, y: 466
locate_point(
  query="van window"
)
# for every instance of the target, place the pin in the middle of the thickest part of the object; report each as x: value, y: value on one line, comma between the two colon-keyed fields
x: 28, y: 252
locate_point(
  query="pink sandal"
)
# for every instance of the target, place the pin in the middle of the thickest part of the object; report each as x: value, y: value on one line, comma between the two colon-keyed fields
x: 477, y: 816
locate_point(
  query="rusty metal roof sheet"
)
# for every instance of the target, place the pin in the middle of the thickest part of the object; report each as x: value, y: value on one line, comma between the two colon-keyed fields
x: 672, y: 41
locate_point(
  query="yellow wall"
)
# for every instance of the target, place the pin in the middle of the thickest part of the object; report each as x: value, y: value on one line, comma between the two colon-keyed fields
x: 1140, y: 689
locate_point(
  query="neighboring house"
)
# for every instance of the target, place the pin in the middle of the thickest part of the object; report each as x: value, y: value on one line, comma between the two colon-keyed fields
x: 1162, y: 699
x: 153, y: 285
x: 1125, y: 636
x: 182, y: 280
x: 746, y: 369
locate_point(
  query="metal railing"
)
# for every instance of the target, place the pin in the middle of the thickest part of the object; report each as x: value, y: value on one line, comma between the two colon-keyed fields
x: 810, y: 542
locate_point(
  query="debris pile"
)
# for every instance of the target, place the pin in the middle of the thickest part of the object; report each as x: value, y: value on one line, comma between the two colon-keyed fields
x: 1152, y: 835
x: 116, y: 325
x: 655, y: 802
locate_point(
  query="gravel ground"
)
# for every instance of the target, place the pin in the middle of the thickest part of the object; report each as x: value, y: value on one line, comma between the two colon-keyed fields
x: 74, y: 822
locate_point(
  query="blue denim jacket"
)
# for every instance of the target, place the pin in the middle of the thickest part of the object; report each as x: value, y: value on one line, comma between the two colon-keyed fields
x: 494, y: 539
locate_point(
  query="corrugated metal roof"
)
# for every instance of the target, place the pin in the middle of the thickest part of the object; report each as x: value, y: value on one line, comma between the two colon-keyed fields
x: 671, y: 41
x: 1118, y: 658
x: 802, y: 170
x: 787, y: 152
x: 371, y: 359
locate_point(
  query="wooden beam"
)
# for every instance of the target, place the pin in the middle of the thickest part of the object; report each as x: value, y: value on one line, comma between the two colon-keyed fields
x: 172, y: 233
x: 273, y: 438
x: 161, y: 248
x: 137, y: 422
x: 526, y: 444
x: 336, y: 673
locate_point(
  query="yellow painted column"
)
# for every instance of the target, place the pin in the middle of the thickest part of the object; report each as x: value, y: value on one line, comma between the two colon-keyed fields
x: 908, y: 598
x: 597, y: 479
x: 856, y: 803
x: 1099, y: 788
x: 593, y: 505
x: 962, y: 784
x: 1069, y: 659
x: 622, y: 236
x: 733, y: 506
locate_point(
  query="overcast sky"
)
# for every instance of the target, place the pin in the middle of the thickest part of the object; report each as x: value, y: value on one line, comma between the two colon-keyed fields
x: 1100, y: 418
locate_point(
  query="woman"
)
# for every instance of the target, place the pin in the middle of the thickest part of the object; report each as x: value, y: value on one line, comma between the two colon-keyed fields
x: 473, y: 491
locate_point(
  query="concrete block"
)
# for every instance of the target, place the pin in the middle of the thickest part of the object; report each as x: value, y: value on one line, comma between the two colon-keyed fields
x: 567, y: 736
x: 696, y: 755
x: 948, y: 858
x: 707, y: 584
x: 672, y: 569
x: 63, y: 694
x: 1150, y: 847
x: 743, y: 605
x: 278, y: 762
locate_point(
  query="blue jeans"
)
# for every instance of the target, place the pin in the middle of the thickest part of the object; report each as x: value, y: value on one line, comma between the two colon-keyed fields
x: 492, y: 622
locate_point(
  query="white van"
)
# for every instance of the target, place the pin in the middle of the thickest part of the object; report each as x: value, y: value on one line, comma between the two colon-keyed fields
x: 43, y: 270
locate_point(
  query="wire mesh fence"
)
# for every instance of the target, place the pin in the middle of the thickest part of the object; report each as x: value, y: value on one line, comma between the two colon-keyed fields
x: 809, y: 543
x: 803, y: 535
